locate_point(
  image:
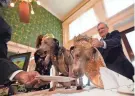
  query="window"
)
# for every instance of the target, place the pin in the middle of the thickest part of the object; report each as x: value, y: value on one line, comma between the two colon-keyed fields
x: 96, y: 36
x: 131, y: 38
x: 83, y: 23
x: 112, y: 7
x: 128, y: 37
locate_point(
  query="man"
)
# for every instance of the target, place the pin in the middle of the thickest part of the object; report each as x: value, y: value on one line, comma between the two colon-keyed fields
x: 111, y: 49
x: 5, y: 36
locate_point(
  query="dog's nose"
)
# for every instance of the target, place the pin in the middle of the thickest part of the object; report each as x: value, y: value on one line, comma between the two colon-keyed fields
x: 76, y: 73
x: 39, y: 52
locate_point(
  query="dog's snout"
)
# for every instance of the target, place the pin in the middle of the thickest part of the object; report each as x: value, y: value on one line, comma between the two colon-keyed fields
x: 77, y: 73
x: 41, y: 52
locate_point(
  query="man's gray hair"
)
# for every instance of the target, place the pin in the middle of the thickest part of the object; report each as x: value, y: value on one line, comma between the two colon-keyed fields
x: 102, y: 23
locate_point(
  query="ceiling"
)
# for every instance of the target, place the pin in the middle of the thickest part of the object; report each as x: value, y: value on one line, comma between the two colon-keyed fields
x: 60, y: 8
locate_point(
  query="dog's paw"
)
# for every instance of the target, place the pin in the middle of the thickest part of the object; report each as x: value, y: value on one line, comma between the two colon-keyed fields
x: 79, y: 88
x: 67, y: 87
x: 52, y: 89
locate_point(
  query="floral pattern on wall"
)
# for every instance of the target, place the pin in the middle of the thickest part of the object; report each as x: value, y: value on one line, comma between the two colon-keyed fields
x: 42, y: 22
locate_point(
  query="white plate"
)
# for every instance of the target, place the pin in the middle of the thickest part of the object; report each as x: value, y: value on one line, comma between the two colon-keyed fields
x: 55, y: 78
x: 126, y: 90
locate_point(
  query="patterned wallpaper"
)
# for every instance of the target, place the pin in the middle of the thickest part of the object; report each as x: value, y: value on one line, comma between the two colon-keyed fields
x: 41, y: 22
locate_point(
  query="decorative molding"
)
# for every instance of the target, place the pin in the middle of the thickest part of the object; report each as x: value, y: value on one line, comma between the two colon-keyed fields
x: 19, y: 48
x: 75, y: 9
x: 80, y: 11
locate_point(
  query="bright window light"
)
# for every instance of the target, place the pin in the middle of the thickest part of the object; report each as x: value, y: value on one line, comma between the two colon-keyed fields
x: 83, y: 23
x: 113, y: 7
x: 96, y: 36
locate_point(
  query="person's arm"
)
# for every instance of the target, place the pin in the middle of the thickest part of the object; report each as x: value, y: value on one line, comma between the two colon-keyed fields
x: 114, y: 41
x: 6, y: 69
x: 12, y: 76
x: 98, y: 44
x: 103, y: 44
x: 9, y: 70
x: 27, y: 78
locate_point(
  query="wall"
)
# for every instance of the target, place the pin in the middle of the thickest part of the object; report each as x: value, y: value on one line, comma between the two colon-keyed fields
x: 41, y: 22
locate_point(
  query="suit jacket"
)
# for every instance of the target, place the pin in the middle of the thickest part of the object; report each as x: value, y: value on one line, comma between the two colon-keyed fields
x: 6, y: 69
x: 114, y: 56
x: 5, y: 36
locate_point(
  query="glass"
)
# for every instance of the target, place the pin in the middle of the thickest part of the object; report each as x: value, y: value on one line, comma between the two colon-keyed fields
x: 131, y: 38
x: 85, y: 22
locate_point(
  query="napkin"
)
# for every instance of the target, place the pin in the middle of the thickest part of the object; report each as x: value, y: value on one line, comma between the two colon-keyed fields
x: 112, y: 79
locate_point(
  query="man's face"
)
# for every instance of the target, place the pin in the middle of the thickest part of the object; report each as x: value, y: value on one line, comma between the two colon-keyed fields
x: 103, y: 30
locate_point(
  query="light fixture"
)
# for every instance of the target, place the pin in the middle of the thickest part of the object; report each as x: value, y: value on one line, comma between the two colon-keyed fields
x: 25, y: 8
x: 12, y: 4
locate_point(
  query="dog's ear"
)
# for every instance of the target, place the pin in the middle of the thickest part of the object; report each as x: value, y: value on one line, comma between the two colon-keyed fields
x: 72, y: 49
x: 57, y: 46
x: 57, y: 42
x: 94, y: 50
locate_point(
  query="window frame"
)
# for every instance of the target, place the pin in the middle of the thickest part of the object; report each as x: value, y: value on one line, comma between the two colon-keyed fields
x: 126, y: 43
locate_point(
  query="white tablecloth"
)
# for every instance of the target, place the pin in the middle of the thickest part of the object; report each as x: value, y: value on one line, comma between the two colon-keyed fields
x: 88, y: 91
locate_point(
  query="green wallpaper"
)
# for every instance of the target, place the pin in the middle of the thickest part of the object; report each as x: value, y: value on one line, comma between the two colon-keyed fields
x: 41, y: 22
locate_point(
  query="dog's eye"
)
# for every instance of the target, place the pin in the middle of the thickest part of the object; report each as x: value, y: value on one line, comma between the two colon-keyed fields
x: 45, y: 42
x: 77, y: 55
x: 45, y: 52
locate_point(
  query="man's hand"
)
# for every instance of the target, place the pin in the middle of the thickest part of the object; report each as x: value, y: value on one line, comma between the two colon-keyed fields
x: 29, y: 79
x: 97, y: 43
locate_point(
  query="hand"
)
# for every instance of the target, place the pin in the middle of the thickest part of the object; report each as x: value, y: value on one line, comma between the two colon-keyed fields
x: 97, y: 43
x: 29, y: 79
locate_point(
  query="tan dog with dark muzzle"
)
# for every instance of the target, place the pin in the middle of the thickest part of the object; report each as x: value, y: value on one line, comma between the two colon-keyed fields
x: 87, y: 60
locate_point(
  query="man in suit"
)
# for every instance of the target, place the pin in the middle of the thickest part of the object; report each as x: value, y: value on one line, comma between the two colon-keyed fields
x: 111, y: 49
x: 5, y: 36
